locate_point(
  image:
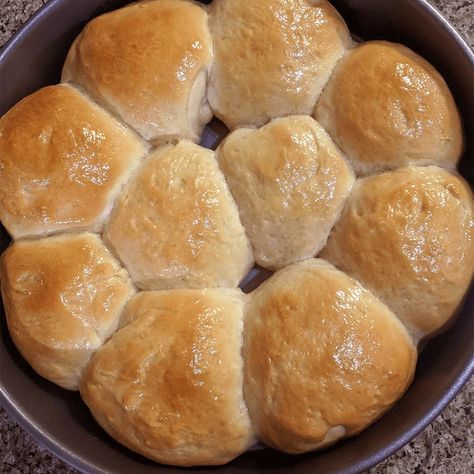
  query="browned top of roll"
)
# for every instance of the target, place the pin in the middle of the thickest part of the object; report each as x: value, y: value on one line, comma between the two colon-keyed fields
x: 63, y: 297
x: 323, y: 357
x: 272, y: 57
x: 62, y: 160
x: 408, y: 235
x: 169, y: 384
x: 385, y: 106
x: 148, y: 63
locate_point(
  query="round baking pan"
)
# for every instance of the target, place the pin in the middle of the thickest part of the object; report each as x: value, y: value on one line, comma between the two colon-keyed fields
x: 61, y: 422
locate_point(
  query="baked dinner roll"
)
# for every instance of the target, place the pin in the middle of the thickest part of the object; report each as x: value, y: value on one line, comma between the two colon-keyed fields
x: 386, y: 107
x: 62, y: 161
x: 63, y: 297
x: 176, y: 224
x: 290, y: 184
x: 272, y: 57
x: 148, y: 63
x: 408, y: 236
x: 169, y: 384
x: 323, y: 357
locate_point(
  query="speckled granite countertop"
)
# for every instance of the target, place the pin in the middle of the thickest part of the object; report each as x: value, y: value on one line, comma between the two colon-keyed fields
x: 445, y: 447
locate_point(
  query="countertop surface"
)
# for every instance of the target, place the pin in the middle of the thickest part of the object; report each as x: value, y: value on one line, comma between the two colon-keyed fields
x: 446, y: 446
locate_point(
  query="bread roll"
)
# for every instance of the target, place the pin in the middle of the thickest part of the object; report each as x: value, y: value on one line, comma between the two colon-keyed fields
x: 63, y: 297
x: 169, y: 384
x: 386, y: 107
x: 176, y: 224
x: 272, y: 57
x: 62, y: 161
x: 408, y: 236
x: 323, y: 357
x: 148, y: 63
x: 290, y: 183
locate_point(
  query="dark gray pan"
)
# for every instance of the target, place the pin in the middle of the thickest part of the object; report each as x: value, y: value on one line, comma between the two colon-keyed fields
x: 60, y: 421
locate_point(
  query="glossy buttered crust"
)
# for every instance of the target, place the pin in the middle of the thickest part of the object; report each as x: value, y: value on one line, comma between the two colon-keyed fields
x: 148, y: 63
x: 169, y: 384
x: 290, y: 183
x: 324, y: 358
x: 63, y: 297
x: 408, y: 236
x: 176, y: 224
x: 271, y: 58
x: 62, y: 161
x: 386, y: 107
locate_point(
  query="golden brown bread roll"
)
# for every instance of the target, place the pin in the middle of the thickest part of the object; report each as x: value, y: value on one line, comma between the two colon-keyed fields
x: 169, y: 384
x: 324, y: 358
x: 176, y: 224
x: 290, y: 183
x: 408, y: 236
x: 62, y: 161
x: 272, y: 57
x: 148, y: 63
x: 386, y: 107
x: 63, y: 297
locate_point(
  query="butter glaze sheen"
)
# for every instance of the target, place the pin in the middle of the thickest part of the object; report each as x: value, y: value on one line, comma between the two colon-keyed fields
x: 169, y: 383
x: 290, y: 183
x: 148, y: 63
x: 63, y: 160
x: 248, y: 86
x: 408, y: 236
x: 324, y: 357
x: 59, y: 314
x: 411, y: 117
